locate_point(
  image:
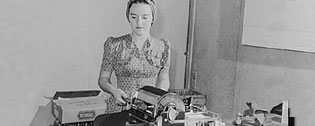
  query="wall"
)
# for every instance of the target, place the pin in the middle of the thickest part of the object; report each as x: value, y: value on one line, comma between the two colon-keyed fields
x: 172, y: 25
x: 215, y: 52
x: 232, y: 74
x: 48, y: 46
x: 43, y: 48
x: 269, y: 76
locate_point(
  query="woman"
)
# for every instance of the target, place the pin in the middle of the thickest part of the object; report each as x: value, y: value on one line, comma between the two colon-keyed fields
x: 138, y: 59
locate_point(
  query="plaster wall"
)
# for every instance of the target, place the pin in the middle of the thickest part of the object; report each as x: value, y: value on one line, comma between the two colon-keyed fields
x: 215, y: 52
x: 49, y: 46
x: 268, y: 76
x: 43, y: 48
x: 232, y: 74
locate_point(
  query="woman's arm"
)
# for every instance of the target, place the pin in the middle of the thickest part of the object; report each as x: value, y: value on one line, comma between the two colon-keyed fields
x: 106, y: 72
x: 105, y: 84
x: 163, y: 81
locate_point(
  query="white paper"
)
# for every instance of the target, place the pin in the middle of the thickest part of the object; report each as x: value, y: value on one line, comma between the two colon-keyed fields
x: 281, y: 24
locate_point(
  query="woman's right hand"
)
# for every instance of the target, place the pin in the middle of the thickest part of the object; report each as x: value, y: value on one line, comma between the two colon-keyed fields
x: 120, y: 97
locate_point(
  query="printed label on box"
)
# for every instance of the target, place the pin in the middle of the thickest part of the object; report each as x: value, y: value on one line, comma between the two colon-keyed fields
x: 83, y: 115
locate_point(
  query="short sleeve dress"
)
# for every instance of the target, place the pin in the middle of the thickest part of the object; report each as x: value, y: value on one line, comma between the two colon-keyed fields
x: 134, y: 68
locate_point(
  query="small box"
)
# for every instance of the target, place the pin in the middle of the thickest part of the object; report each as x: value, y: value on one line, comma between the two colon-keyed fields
x: 77, y: 106
x: 191, y: 97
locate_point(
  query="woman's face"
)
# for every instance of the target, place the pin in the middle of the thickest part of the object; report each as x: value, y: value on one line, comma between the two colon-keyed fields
x: 140, y: 18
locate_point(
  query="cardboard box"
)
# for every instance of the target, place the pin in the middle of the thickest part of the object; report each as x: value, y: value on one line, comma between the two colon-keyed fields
x: 77, y: 106
x: 191, y: 97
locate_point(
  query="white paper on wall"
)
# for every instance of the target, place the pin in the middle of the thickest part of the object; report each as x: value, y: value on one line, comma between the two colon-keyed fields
x: 281, y: 24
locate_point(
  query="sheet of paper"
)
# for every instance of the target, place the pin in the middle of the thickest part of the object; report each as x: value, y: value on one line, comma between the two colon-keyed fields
x: 280, y: 24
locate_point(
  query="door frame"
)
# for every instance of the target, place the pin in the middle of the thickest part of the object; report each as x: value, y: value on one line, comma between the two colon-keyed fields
x: 190, y: 43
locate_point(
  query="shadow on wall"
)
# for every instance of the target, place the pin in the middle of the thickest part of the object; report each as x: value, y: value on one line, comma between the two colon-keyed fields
x: 226, y: 52
x: 43, y: 116
x: 228, y: 36
x: 173, y: 68
x: 276, y: 57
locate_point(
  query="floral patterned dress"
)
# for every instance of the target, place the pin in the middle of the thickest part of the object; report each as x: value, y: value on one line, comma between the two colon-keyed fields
x: 134, y: 68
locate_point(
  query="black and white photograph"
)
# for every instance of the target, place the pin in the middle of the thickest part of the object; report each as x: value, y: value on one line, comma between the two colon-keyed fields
x: 157, y: 62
